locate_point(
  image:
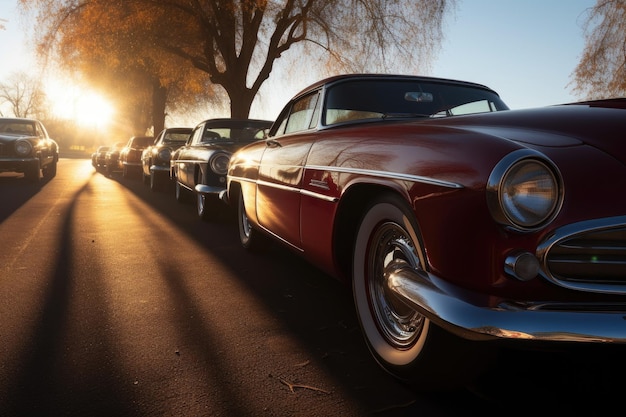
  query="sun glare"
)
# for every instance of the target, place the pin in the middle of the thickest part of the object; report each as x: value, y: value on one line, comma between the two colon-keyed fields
x: 86, y: 108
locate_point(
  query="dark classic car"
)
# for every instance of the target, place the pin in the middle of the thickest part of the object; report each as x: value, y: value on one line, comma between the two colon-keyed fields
x: 458, y: 224
x: 199, y: 167
x: 112, y: 157
x: 155, y: 159
x: 25, y: 147
x: 98, y: 157
x: 130, y: 155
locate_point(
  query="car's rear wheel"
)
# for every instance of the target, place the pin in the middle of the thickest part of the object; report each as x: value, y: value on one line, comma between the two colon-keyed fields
x: 403, y: 341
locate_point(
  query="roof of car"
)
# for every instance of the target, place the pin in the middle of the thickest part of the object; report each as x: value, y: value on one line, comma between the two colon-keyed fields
x: 374, y: 76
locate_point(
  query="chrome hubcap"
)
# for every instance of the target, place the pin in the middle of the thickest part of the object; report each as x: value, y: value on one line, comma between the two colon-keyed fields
x: 390, y: 247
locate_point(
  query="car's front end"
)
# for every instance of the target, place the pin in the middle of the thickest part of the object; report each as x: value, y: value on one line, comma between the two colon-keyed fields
x: 546, y: 257
x: 23, y: 152
x: 131, y: 159
x: 214, y: 172
x: 18, y: 154
x: 159, y: 159
x: 112, y: 158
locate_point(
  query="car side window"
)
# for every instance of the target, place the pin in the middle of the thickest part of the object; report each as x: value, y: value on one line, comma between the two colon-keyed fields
x: 196, y: 136
x: 304, y: 114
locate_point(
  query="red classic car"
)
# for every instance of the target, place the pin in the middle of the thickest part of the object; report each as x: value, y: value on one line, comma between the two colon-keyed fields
x: 457, y: 222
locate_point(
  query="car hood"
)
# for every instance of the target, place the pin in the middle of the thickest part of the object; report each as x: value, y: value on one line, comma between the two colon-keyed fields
x: 599, y: 124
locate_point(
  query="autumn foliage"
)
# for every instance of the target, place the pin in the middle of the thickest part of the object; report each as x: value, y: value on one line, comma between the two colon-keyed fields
x: 155, y: 55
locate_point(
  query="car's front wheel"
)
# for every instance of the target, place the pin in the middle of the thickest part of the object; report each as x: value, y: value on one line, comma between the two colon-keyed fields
x: 156, y: 182
x: 31, y: 173
x: 250, y: 238
x: 203, y: 202
x: 180, y: 192
x: 403, y: 341
x: 50, y: 171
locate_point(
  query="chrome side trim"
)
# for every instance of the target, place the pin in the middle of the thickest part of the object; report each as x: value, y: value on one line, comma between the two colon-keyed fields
x: 319, y: 196
x: 385, y: 174
x: 368, y: 172
x: 557, y: 322
x: 274, y: 185
x: 295, y: 190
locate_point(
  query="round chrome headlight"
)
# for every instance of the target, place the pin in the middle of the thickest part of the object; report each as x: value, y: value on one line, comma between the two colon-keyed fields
x: 164, y: 154
x: 524, y: 190
x: 23, y: 147
x: 219, y: 163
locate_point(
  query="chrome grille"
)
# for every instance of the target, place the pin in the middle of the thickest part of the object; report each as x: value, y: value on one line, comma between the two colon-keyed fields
x: 588, y: 256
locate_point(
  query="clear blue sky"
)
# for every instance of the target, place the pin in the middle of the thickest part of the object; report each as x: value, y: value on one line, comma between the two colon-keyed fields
x: 524, y: 49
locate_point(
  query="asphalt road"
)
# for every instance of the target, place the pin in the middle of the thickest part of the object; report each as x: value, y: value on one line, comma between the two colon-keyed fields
x: 118, y: 301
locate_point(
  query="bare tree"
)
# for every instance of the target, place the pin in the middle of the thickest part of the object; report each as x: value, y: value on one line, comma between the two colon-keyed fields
x: 601, y: 72
x: 238, y: 42
x: 23, y: 94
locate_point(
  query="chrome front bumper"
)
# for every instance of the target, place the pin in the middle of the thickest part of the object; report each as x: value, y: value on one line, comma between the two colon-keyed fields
x: 209, y: 189
x: 160, y: 168
x: 580, y: 322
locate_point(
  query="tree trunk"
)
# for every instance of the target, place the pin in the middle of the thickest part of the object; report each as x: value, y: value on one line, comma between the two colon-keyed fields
x: 159, y: 100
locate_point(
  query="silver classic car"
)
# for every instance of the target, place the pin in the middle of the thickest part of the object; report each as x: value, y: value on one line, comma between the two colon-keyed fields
x: 199, y: 167
x: 26, y: 147
x: 155, y: 159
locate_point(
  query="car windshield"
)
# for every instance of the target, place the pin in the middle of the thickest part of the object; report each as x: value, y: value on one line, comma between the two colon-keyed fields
x: 383, y: 99
x: 231, y: 134
x: 180, y: 138
x: 17, y: 127
x: 143, y: 142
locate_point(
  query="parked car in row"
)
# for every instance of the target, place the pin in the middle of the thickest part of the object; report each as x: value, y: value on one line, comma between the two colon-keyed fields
x: 199, y: 167
x: 457, y: 222
x: 130, y: 155
x: 155, y: 159
x: 26, y: 147
x: 112, y: 157
x: 98, y: 157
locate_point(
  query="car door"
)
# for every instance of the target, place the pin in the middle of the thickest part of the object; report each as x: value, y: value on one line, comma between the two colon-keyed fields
x: 282, y: 166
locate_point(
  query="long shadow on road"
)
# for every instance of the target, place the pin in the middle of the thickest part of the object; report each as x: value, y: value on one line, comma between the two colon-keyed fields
x: 319, y: 311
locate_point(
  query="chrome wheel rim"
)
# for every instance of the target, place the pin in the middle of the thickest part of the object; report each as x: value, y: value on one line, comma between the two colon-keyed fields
x: 245, y: 224
x: 390, y: 246
x: 201, y: 204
